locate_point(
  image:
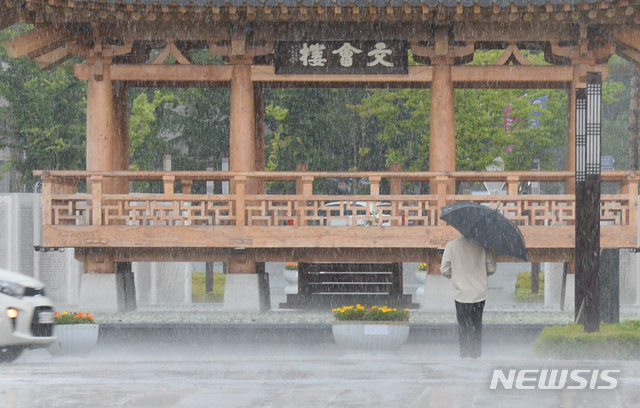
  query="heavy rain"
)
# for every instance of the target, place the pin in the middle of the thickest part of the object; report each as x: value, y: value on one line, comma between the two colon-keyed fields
x: 319, y: 204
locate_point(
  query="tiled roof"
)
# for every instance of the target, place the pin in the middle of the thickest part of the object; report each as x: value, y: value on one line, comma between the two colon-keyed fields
x: 344, y: 3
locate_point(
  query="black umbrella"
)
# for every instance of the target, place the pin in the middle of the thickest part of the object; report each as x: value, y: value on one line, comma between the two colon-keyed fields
x: 487, y: 227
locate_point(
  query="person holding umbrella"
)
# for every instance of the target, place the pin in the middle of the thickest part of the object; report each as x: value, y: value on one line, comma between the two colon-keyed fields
x: 468, y: 261
x: 468, y: 265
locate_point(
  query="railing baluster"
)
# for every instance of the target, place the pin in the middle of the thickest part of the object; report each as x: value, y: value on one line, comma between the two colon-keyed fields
x: 375, y: 185
x: 240, y: 184
x: 47, y: 193
x: 96, y: 202
x: 168, y: 184
x: 512, y: 185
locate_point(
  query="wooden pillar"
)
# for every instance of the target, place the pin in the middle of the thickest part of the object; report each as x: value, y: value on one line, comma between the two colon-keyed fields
x: 242, y: 145
x: 442, y: 147
x: 299, y: 184
x: 121, y: 144
x: 107, y: 148
x: 395, y: 183
x: 258, y: 97
x: 107, y: 128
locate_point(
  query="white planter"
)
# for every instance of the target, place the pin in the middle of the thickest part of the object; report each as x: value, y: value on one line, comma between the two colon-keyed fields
x: 421, y: 276
x: 74, y: 339
x: 370, y: 336
x: 291, y: 276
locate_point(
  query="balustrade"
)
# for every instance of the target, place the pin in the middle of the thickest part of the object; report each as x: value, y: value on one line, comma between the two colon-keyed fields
x: 63, y: 205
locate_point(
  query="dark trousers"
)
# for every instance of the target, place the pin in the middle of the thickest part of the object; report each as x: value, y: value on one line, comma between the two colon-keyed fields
x: 470, y: 328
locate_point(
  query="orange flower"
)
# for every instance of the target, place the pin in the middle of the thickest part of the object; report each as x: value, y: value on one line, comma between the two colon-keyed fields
x: 56, y: 315
x: 89, y: 316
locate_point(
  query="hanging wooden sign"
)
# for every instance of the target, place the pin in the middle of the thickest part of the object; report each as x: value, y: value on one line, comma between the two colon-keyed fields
x: 342, y: 57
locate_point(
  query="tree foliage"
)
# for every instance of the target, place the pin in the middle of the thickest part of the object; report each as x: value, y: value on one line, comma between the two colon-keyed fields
x: 48, y: 113
x: 327, y: 129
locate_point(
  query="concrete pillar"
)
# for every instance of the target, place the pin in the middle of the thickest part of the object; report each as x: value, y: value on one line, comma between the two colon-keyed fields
x: 553, y: 276
x: 126, y: 287
x: 610, y: 285
x: 246, y: 286
x: 629, y: 282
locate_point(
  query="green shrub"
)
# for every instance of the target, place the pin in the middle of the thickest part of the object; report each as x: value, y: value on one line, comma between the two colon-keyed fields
x: 523, y: 289
x: 613, y: 341
x: 198, y: 288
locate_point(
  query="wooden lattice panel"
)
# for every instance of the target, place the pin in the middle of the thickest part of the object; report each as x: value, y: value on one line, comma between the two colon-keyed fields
x: 183, y: 209
x: 419, y: 211
x: 148, y: 210
x: 614, y: 210
x: 70, y: 210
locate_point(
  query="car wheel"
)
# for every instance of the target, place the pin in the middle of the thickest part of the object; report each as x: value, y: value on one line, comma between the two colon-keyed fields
x: 9, y: 354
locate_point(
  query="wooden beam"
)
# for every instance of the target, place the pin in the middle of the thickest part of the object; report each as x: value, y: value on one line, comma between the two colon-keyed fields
x: 262, y: 73
x: 7, y: 18
x: 630, y: 55
x: 159, y: 73
x: 305, y: 237
x: 37, y: 39
x: 361, y: 255
x: 53, y: 58
x: 459, y: 74
x: 522, y: 73
x: 627, y: 36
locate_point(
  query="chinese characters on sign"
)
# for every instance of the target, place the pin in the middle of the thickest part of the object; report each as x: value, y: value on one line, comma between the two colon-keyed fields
x: 342, y: 57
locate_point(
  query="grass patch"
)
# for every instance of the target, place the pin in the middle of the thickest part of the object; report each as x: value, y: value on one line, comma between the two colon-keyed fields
x: 523, y: 289
x: 198, y: 287
x: 613, y: 342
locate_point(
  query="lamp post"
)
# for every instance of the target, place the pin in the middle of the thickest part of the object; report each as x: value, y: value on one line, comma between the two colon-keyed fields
x: 587, y: 250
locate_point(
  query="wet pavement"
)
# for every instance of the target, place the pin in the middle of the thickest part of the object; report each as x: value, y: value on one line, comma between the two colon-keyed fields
x: 183, y: 371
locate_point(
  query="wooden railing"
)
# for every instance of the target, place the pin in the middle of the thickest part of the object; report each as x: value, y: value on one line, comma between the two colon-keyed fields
x: 64, y: 206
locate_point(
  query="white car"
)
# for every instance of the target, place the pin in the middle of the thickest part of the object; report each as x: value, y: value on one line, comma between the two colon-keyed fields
x: 26, y: 315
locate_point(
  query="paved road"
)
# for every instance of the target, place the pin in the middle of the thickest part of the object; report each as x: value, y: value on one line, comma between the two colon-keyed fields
x: 183, y: 373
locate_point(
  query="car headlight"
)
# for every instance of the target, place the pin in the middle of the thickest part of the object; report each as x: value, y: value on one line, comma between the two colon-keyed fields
x: 11, y: 289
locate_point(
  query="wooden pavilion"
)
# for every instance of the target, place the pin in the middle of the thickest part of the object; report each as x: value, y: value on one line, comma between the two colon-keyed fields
x: 283, y: 43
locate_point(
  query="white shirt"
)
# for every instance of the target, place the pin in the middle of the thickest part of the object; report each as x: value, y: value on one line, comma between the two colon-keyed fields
x: 468, y: 265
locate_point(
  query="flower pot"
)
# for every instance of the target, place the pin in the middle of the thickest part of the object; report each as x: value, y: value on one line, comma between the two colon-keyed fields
x: 74, y: 339
x: 291, y: 276
x: 421, y: 277
x: 370, y: 336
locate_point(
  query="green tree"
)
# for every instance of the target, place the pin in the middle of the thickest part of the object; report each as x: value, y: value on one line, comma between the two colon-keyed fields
x: 48, y: 113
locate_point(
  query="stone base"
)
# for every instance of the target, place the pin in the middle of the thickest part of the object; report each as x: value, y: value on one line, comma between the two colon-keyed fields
x: 98, y: 292
x: 553, y: 272
x: 107, y: 292
x: 438, y: 295
x: 247, y: 292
